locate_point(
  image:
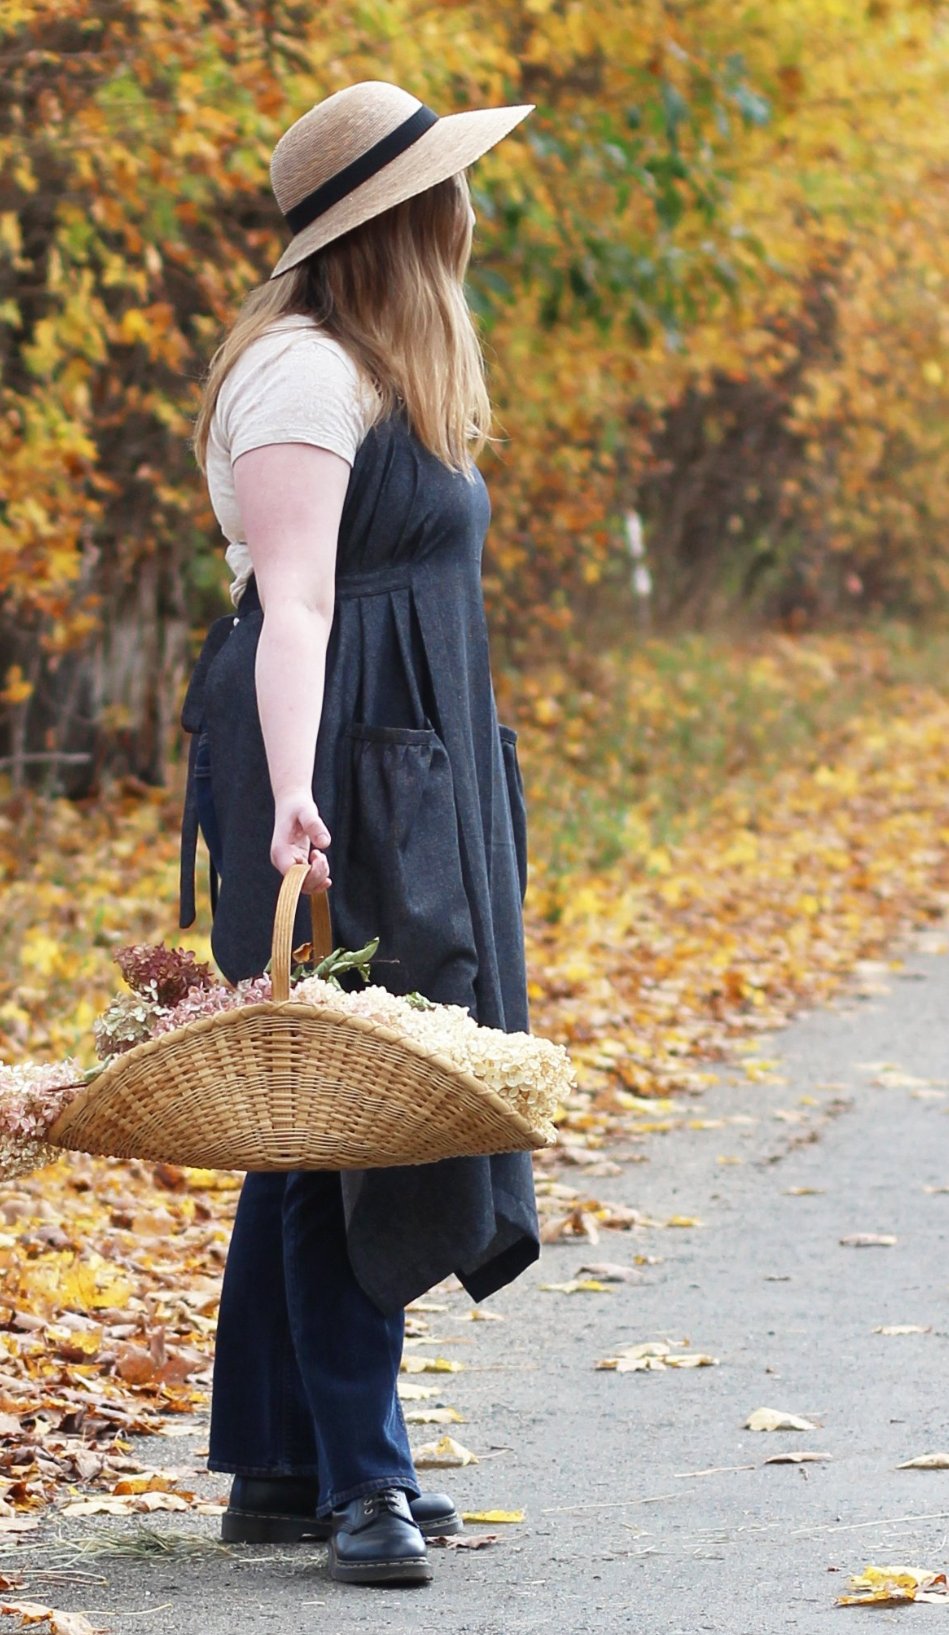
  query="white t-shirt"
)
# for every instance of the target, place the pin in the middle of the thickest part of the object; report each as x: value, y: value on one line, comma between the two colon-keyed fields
x: 292, y: 385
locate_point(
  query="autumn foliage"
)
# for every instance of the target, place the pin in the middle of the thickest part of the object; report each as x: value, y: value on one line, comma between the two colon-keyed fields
x: 710, y: 271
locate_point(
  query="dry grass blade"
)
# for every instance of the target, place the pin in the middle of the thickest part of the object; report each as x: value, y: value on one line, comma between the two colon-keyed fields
x: 142, y: 1543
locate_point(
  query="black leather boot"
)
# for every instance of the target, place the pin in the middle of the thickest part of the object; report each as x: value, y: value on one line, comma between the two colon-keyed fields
x: 375, y: 1541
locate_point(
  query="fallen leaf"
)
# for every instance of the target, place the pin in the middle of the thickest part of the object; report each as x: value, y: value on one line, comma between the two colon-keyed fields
x: 150, y: 1481
x: 60, y: 1623
x: 926, y: 1461
x: 683, y: 1220
x: 608, y: 1271
x: 409, y: 1392
x: 794, y: 1458
x: 135, y: 1365
x: 461, y: 1541
x: 804, y: 1192
x: 429, y: 1365
x: 479, y: 1316
x: 433, y: 1416
x: 776, y: 1419
x: 894, y: 1078
x: 652, y: 1355
x: 72, y: 1623
x: 588, y: 1285
x: 128, y: 1504
x: 492, y: 1518
x: 886, y: 1585
x: 578, y: 1224
x: 868, y: 1240
x: 620, y: 1218
x: 441, y: 1455
x: 904, y: 1328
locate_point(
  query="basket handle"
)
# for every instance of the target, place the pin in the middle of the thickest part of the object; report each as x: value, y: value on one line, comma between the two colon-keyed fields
x: 284, y: 917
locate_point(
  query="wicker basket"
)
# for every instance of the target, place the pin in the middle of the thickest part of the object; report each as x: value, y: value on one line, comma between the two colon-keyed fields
x: 279, y: 1085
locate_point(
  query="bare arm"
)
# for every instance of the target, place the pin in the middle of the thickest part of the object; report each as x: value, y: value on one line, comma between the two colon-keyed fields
x: 291, y: 499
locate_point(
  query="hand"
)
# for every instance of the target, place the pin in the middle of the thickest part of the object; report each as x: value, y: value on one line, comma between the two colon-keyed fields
x: 300, y: 836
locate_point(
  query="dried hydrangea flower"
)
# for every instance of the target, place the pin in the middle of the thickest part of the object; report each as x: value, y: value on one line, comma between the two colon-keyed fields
x: 163, y: 975
x: 32, y: 1096
x: 531, y: 1075
x: 210, y: 1002
x: 128, y: 1021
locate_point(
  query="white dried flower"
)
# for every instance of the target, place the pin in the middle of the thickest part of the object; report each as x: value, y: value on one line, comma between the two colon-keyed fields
x: 531, y: 1075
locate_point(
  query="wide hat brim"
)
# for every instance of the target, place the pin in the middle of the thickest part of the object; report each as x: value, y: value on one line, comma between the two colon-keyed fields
x: 448, y: 147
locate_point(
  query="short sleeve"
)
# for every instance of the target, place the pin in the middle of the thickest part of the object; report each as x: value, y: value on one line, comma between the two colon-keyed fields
x: 292, y: 386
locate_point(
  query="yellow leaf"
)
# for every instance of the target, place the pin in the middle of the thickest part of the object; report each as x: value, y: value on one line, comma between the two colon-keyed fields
x: 492, y: 1518
x: 430, y: 1365
x: 443, y: 1454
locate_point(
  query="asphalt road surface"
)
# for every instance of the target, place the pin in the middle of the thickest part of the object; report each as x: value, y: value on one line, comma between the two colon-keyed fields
x: 648, y: 1507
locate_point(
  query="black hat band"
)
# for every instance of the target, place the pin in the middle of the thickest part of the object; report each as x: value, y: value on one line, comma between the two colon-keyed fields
x: 367, y: 165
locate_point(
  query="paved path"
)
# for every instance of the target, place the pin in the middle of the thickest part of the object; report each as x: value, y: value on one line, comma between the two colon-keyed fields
x: 625, y: 1530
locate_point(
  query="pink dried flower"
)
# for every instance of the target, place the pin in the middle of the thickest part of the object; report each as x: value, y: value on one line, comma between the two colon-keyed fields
x: 32, y: 1096
x: 210, y: 1002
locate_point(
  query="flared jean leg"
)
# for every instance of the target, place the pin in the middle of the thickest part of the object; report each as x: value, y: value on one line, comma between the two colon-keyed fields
x: 306, y: 1366
x: 261, y: 1422
x: 347, y: 1351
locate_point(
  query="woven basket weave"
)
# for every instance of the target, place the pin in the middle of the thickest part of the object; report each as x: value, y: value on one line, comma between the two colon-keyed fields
x: 280, y: 1085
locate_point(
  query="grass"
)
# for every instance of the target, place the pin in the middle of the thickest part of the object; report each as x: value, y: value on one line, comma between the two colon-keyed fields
x: 633, y: 747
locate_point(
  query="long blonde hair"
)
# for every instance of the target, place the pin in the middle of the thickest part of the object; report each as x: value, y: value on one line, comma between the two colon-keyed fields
x: 392, y: 293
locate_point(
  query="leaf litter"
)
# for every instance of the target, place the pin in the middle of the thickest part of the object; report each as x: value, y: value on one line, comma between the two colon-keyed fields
x: 676, y: 953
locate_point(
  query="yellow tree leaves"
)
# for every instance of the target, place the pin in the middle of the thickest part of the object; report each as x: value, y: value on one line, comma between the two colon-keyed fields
x: 137, y: 141
x: 709, y: 156
x: 844, y: 186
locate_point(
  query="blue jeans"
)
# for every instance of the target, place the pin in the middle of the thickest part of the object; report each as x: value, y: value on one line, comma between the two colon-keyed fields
x: 305, y: 1365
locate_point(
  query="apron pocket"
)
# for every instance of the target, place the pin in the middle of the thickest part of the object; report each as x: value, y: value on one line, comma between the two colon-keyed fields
x: 396, y: 863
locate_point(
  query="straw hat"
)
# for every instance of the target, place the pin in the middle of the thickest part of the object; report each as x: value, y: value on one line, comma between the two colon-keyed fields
x: 365, y: 149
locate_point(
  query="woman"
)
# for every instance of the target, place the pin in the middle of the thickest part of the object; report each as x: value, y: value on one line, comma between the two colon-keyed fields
x: 338, y: 430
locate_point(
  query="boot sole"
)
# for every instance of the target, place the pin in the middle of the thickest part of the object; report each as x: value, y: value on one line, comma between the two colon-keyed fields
x: 413, y: 1570
x: 259, y: 1527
